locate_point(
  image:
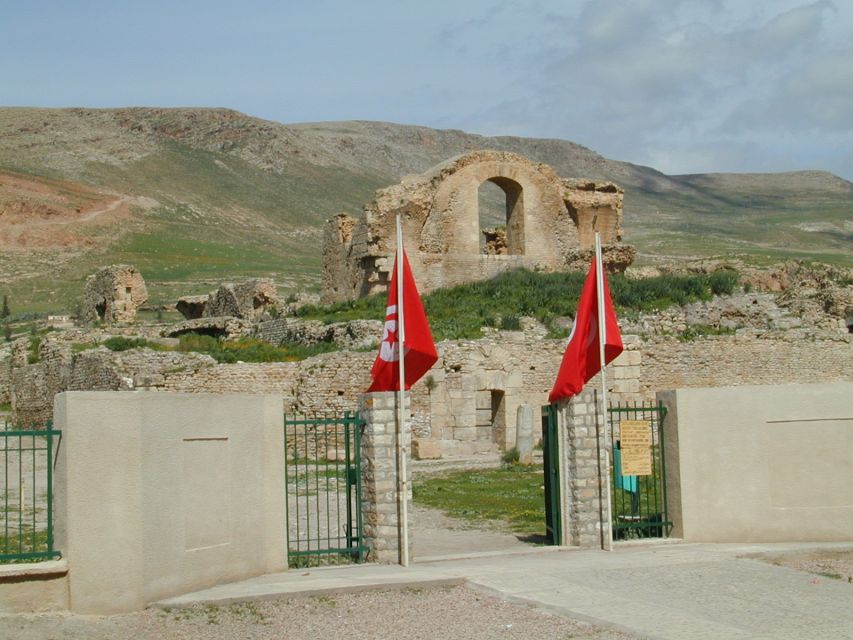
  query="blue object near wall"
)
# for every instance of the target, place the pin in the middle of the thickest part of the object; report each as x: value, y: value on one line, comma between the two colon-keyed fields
x: 626, y: 483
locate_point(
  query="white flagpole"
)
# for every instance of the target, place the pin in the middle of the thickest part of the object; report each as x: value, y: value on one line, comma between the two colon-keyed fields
x: 403, y: 485
x: 606, y: 541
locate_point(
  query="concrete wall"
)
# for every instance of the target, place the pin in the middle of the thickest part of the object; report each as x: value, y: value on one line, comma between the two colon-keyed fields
x: 158, y: 494
x: 36, y: 587
x: 760, y: 464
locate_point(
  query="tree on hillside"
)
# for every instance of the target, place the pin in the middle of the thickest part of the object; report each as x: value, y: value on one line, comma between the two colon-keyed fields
x: 5, y: 312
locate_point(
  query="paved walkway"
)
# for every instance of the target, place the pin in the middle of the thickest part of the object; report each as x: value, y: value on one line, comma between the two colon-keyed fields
x: 678, y: 591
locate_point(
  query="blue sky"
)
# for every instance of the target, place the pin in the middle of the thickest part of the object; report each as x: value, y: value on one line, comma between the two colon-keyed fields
x: 684, y: 86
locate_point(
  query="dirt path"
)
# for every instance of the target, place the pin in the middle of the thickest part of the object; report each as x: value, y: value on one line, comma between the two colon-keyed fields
x: 435, y: 534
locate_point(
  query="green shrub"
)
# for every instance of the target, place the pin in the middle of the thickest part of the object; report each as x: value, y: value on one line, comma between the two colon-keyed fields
x: 723, y: 283
x: 701, y: 330
x: 122, y: 343
x: 511, y: 456
x: 510, y: 323
x: 249, y: 349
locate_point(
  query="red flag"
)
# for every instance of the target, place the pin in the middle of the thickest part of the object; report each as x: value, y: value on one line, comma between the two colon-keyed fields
x: 419, y: 347
x: 582, y: 360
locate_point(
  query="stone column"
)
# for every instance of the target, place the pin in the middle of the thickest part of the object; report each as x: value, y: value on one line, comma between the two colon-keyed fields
x: 524, y: 433
x: 381, y: 513
x: 587, y: 473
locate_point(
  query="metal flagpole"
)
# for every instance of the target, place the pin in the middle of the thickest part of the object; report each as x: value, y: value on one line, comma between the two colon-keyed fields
x: 606, y: 542
x: 403, y: 485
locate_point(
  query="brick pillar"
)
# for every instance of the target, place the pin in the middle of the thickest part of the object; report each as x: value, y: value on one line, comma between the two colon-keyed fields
x: 379, y: 476
x: 584, y: 462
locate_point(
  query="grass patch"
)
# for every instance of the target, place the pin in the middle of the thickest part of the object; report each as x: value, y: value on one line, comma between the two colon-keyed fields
x: 460, y: 312
x: 249, y: 349
x: 703, y: 330
x: 33, y: 350
x: 26, y: 541
x: 514, y: 494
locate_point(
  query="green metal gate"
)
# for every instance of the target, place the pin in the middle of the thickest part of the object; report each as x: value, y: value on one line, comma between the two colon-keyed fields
x: 27, y: 457
x: 323, y: 483
x: 638, y: 499
x: 551, y: 467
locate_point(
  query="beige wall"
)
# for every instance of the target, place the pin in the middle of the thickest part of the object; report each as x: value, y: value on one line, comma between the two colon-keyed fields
x: 760, y: 464
x: 36, y: 587
x: 160, y: 493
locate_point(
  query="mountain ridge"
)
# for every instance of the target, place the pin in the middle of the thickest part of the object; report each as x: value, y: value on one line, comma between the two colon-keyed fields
x: 227, y: 195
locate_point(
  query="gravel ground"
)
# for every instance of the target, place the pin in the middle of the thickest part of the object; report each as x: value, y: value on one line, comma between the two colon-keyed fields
x: 835, y: 565
x: 459, y: 613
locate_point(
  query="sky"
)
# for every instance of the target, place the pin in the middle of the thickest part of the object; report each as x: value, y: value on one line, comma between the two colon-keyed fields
x: 683, y: 86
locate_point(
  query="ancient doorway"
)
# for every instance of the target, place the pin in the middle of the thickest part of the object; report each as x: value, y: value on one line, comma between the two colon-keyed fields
x: 500, y: 203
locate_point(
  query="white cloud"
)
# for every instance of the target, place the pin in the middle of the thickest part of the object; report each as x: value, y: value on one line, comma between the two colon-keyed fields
x: 702, y: 84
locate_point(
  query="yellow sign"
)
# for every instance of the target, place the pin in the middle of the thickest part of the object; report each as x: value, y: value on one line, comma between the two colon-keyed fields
x: 636, y: 439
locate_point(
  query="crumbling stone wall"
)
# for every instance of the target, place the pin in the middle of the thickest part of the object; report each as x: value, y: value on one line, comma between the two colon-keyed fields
x: 227, y: 327
x: 751, y: 359
x: 548, y: 219
x: 191, y: 307
x: 468, y: 402
x: 355, y: 334
x: 113, y: 294
x: 247, y: 300
x: 32, y: 386
x: 5, y: 382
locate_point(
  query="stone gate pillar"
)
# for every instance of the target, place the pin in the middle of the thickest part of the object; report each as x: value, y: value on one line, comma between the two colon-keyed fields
x: 380, y: 471
x: 585, y: 474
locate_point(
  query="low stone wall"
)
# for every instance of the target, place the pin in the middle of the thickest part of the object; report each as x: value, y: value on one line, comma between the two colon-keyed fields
x: 718, y: 361
x: 468, y: 402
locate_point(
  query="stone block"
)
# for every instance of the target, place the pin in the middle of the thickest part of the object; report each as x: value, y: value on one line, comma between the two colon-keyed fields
x: 626, y: 373
x: 465, y: 434
x: 143, y: 380
x: 426, y: 449
x: 626, y: 386
x: 524, y: 433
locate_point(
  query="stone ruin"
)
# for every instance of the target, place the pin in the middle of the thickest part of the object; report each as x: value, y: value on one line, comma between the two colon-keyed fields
x: 548, y: 224
x: 248, y: 301
x: 113, y: 294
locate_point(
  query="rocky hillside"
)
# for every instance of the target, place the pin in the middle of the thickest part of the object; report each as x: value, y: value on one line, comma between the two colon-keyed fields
x: 194, y: 196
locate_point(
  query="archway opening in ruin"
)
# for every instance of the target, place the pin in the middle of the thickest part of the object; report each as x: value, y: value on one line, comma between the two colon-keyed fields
x: 101, y: 309
x: 500, y: 204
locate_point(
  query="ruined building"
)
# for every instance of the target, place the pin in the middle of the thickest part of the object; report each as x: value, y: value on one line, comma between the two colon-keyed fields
x: 545, y: 222
x: 113, y: 294
x: 247, y: 300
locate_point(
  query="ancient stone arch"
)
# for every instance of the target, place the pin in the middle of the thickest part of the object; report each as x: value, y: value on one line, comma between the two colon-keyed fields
x: 549, y: 223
